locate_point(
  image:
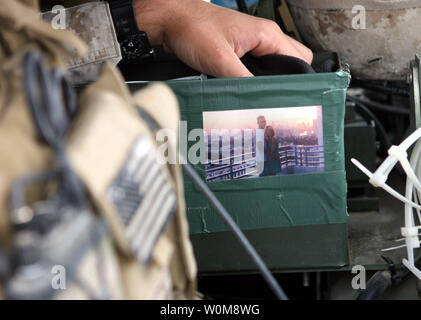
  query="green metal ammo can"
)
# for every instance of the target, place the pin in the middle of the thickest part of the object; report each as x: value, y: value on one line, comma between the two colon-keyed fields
x: 295, y: 217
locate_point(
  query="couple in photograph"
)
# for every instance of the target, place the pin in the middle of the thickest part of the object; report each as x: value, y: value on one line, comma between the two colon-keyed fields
x: 271, y: 158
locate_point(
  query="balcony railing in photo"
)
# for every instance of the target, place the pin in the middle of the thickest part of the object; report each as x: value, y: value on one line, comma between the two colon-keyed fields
x: 244, y: 165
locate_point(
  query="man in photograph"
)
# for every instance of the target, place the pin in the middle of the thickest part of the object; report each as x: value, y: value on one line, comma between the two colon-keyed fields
x: 261, y: 157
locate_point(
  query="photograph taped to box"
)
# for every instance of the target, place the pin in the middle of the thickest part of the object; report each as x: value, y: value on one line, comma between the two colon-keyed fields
x: 284, y: 200
x: 257, y: 143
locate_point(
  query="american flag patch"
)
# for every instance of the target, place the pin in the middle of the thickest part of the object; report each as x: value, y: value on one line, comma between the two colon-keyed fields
x: 144, y: 198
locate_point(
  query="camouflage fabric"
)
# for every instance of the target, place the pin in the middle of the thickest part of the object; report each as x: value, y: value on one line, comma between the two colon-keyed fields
x: 22, y: 29
x: 111, y: 147
x: 107, y: 126
x: 92, y: 22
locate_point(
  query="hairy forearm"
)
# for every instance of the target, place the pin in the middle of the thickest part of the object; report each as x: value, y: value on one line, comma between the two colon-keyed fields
x: 150, y: 18
x: 157, y: 17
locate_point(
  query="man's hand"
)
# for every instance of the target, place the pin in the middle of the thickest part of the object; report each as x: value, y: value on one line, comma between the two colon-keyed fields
x: 212, y: 39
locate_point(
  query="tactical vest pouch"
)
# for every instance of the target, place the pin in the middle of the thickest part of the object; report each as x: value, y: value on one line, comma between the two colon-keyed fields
x: 153, y: 102
x: 115, y: 154
x: 59, y: 233
x: 157, y: 261
x: 108, y: 146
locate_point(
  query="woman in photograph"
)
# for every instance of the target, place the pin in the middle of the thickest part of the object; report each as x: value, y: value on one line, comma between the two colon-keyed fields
x: 272, y: 153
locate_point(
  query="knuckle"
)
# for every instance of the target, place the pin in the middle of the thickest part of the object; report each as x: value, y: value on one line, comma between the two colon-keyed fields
x: 234, y: 29
x: 219, y: 52
x: 270, y: 26
x: 309, y: 55
x: 269, y: 32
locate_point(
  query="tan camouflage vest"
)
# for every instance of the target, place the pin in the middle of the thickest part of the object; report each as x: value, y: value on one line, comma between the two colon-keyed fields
x: 105, y: 138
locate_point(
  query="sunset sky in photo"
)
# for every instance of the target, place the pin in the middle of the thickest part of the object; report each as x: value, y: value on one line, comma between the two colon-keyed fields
x: 247, y: 119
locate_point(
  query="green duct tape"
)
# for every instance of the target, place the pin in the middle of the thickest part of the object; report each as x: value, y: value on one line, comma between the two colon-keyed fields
x: 278, y: 201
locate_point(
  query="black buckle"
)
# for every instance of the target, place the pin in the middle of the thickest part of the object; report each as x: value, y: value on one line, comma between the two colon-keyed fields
x: 136, y: 49
x: 124, y: 18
